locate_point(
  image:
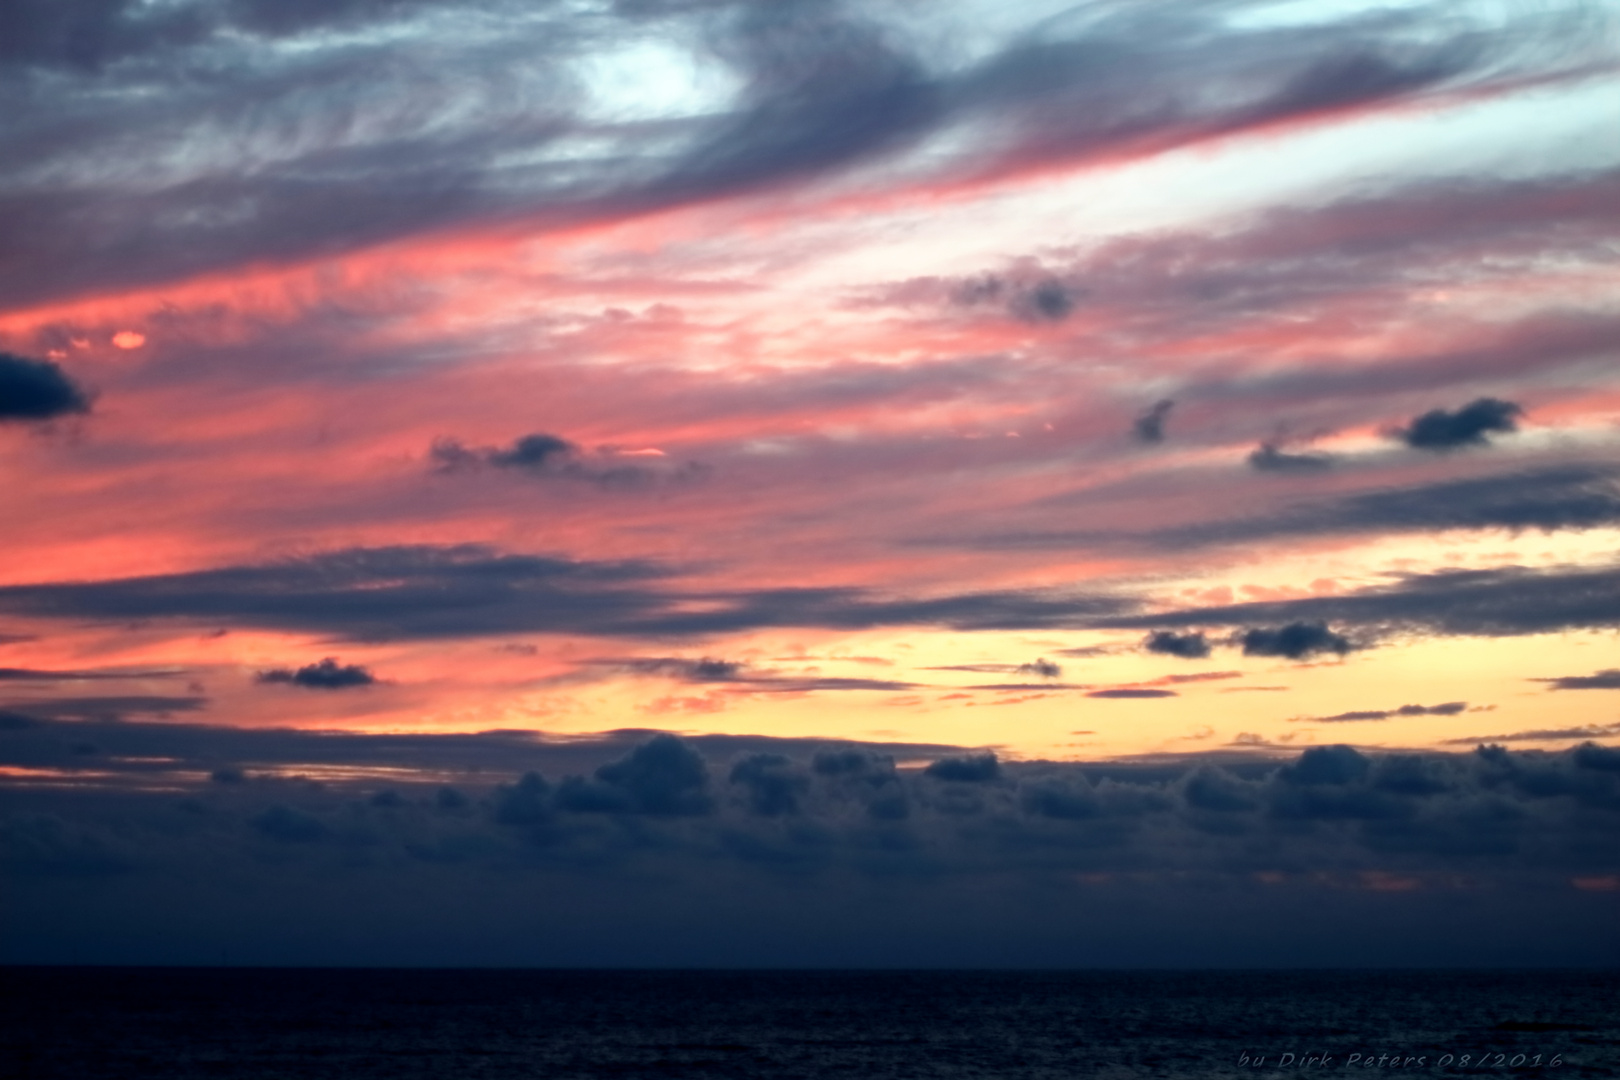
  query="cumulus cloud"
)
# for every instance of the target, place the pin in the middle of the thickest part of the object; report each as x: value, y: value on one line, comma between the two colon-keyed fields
x: 849, y: 831
x: 1190, y: 646
x: 1296, y: 641
x: 326, y: 674
x: 37, y: 390
x: 1149, y: 427
x: 972, y: 769
x: 1439, y: 430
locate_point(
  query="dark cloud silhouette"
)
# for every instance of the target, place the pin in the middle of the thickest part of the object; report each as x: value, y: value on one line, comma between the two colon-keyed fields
x: 327, y: 674
x: 664, y: 777
x: 1449, y: 708
x: 973, y: 769
x: 1128, y: 692
x: 1269, y: 457
x: 853, y: 835
x: 37, y: 390
x: 1608, y: 679
x: 1149, y: 427
x: 290, y: 825
x: 1296, y: 641
x: 1439, y: 430
x: 1193, y: 646
x: 774, y: 783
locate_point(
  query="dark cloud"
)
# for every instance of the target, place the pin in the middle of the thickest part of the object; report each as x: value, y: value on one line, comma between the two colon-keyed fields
x: 37, y: 390
x: 1149, y: 427
x: 532, y: 452
x: 774, y: 783
x: 290, y: 825
x: 1608, y: 679
x: 1503, y: 602
x: 854, y: 836
x: 1269, y: 457
x: 1439, y: 430
x: 327, y: 674
x: 663, y: 776
x: 1571, y: 496
x: 106, y: 705
x: 471, y: 590
x: 1127, y: 692
x: 973, y: 769
x: 1449, y: 708
x: 1193, y: 646
x: 1296, y: 641
x: 1588, y: 731
x: 1045, y: 301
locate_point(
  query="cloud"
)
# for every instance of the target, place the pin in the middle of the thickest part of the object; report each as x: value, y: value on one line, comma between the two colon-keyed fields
x: 1270, y: 458
x: 1296, y: 641
x: 1439, y: 430
x: 106, y: 705
x: 1501, y: 602
x: 1587, y: 731
x: 327, y: 674
x: 1149, y: 427
x: 1127, y: 692
x: 973, y: 769
x: 1193, y: 646
x: 37, y: 390
x: 775, y: 784
x: 1450, y: 708
x: 1608, y: 679
x: 826, y: 838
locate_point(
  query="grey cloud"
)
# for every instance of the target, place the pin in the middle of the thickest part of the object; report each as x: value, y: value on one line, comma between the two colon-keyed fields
x: 37, y: 390
x: 1449, y: 708
x: 1574, y: 496
x: 106, y: 705
x: 1269, y: 457
x: 1296, y: 641
x: 327, y: 674
x: 470, y: 590
x: 1192, y: 646
x: 775, y: 784
x: 1129, y: 692
x: 1502, y: 602
x: 840, y: 835
x: 1608, y: 679
x: 1439, y: 430
x: 974, y: 769
x: 1149, y: 427
x: 1587, y: 731
x: 821, y: 88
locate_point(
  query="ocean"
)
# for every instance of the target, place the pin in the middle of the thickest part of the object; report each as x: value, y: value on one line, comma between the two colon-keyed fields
x: 179, y: 1023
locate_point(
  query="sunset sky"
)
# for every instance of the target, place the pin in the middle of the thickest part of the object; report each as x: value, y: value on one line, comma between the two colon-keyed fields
x: 1166, y: 385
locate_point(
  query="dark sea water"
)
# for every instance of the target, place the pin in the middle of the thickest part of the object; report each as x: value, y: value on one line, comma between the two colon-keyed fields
x: 181, y: 1023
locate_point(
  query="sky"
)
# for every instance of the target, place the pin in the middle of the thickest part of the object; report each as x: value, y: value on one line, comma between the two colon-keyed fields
x: 651, y: 482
